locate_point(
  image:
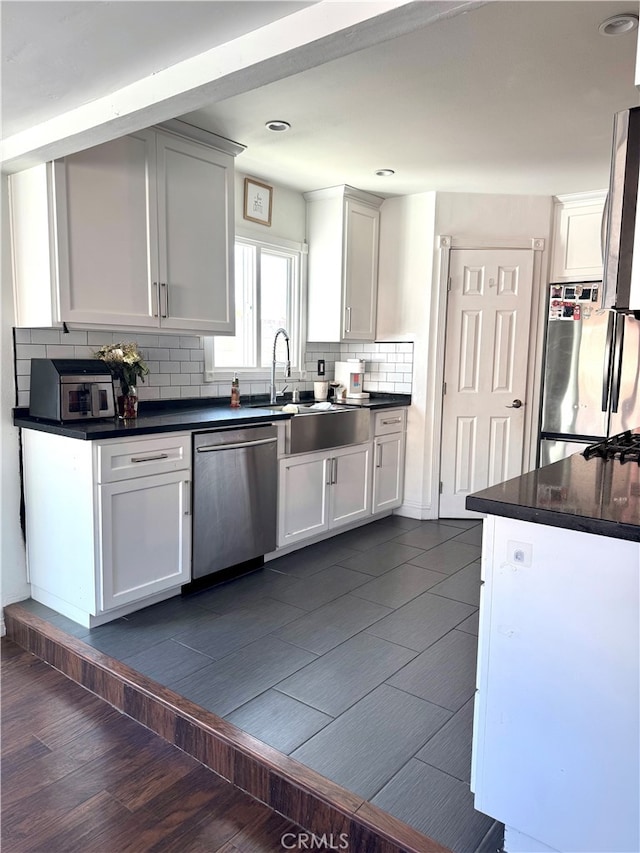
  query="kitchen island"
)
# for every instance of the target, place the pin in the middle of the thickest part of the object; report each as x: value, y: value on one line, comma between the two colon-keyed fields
x: 556, y: 744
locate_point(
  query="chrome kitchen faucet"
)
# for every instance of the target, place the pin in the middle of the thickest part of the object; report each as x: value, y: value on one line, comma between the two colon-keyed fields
x: 273, y: 393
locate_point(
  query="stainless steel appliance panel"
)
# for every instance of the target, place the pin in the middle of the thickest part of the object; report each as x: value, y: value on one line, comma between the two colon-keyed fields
x: 621, y: 263
x: 553, y: 450
x: 234, y: 497
x: 625, y: 381
x: 577, y: 375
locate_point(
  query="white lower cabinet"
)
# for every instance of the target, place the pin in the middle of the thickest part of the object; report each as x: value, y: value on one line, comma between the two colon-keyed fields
x: 145, y: 529
x: 389, y: 429
x: 108, y: 522
x: 322, y: 491
x: 388, y: 471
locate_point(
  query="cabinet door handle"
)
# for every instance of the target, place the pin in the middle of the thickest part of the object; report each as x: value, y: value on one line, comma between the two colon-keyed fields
x: 164, y: 289
x: 392, y: 421
x: 334, y: 479
x: 187, y: 497
x: 348, y: 320
x: 329, y: 480
x: 150, y: 458
x: 379, y: 460
x: 156, y: 299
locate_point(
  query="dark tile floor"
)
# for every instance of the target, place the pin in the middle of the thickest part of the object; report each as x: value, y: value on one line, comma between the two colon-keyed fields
x: 356, y: 656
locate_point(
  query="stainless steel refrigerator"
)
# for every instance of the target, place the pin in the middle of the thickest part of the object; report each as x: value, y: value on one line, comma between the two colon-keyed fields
x: 591, y: 379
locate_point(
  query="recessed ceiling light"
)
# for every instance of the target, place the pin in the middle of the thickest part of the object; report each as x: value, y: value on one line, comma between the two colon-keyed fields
x: 277, y: 125
x: 385, y: 173
x: 616, y: 25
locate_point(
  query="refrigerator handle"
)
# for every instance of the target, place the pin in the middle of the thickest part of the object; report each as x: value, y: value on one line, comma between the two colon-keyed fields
x: 617, y: 363
x: 606, y: 370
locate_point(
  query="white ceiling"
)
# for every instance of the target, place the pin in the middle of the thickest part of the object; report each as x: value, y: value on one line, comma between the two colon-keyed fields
x: 511, y: 96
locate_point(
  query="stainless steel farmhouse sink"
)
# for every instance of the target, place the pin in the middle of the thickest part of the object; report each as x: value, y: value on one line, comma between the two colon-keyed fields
x: 320, y: 429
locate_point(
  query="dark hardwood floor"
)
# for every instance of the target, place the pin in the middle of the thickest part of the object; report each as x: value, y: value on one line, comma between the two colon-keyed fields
x: 77, y: 775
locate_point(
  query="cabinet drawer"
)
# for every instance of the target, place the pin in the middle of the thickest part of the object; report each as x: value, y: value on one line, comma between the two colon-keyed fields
x: 141, y: 457
x: 389, y: 420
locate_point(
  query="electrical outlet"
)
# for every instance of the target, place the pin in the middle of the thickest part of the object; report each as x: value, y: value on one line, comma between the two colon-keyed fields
x: 519, y: 553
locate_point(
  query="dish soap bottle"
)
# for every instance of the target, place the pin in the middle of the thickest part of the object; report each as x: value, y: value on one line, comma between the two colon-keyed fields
x: 235, y: 392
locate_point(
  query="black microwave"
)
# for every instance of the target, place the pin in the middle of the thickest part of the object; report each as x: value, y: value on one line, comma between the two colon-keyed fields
x: 70, y: 389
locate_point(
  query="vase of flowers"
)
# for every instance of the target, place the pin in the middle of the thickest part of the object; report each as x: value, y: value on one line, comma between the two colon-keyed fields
x: 127, y: 366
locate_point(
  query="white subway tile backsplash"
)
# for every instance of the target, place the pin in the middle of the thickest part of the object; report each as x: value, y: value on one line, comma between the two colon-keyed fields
x: 145, y: 340
x: 45, y: 336
x: 179, y: 354
x: 156, y: 354
x: 30, y: 351
x: 83, y: 352
x: 60, y: 351
x: 159, y: 379
x: 171, y: 341
x: 176, y: 363
x: 96, y: 339
x: 190, y: 342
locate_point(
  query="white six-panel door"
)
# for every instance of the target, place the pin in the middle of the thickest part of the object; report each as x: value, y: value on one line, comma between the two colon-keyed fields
x: 487, y: 345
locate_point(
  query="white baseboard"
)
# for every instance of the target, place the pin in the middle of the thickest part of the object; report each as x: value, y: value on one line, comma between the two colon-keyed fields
x: 417, y: 511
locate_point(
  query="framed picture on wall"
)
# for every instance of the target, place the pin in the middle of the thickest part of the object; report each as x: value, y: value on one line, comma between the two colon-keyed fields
x: 258, y: 201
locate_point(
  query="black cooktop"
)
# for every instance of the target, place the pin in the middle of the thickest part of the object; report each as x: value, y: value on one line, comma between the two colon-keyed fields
x: 624, y: 447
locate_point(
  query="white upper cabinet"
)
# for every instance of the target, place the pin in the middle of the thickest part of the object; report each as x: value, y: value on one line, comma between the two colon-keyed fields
x: 106, y: 226
x: 342, y: 231
x: 577, y: 237
x: 137, y: 232
x: 196, y: 231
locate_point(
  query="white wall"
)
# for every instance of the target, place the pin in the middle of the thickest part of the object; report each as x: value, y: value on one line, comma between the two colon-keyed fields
x: 407, y: 301
x: 13, y: 574
x: 404, y: 305
x: 288, y: 220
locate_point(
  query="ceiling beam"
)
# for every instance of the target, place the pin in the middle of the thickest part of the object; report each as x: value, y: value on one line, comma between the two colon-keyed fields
x: 312, y: 36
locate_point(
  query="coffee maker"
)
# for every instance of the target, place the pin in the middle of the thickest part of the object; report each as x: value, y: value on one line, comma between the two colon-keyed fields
x: 350, y: 374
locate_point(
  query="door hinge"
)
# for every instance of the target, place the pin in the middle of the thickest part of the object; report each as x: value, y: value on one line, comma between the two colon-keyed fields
x: 449, y: 283
x: 440, y: 486
x: 444, y: 388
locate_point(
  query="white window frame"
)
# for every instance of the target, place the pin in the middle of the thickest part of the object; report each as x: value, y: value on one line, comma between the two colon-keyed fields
x: 297, y: 333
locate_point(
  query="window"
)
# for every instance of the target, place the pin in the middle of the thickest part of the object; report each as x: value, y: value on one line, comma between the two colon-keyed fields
x: 267, y: 293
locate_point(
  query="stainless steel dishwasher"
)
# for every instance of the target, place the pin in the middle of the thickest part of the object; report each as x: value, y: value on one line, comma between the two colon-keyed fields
x: 235, y: 475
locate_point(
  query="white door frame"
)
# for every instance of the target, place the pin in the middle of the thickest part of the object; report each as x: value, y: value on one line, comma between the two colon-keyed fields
x: 444, y: 245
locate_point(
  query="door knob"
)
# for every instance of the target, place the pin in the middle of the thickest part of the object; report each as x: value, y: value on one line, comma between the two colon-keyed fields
x: 515, y: 405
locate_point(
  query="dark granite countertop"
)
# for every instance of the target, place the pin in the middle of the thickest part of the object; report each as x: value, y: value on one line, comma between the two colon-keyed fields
x: 589, y: 495
x: 181, y: 415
